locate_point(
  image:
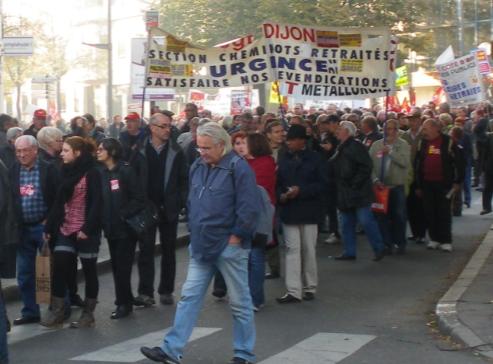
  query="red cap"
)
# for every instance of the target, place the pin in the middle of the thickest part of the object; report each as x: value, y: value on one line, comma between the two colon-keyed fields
x: 40, y: 114
x: 132, y: 116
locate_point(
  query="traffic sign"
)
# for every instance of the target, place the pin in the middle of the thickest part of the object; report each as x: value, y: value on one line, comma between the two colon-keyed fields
x: 17, y: 46
x: 152, y: 19
x: 43, y: 79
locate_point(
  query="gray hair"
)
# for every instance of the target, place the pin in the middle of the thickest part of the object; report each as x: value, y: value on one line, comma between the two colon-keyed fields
x: 217, y: 133
x: 29, y: 139
x: 13, y: 132
x: 47, y: 135
x: 446, y: 118
x: 204, y: 121
x: 349, y: 126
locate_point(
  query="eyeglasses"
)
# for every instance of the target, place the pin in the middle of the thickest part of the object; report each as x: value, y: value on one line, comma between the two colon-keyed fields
x: 203, y: 149
x: 162, y: 126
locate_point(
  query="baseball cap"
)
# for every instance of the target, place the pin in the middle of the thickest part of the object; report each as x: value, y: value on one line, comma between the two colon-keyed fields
x: 40, y: 114
x: 133, y: 116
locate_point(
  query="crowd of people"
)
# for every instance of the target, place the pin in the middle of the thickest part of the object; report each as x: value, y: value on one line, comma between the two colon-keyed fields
x: 246, y: 185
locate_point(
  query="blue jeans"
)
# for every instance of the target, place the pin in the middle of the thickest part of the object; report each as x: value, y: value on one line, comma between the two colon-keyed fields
x: 31, y: 242
x: 233, y: 264
x: 365, y: 217
x: 393, y: 223
x: 256, y: 275
x: 4, y: 354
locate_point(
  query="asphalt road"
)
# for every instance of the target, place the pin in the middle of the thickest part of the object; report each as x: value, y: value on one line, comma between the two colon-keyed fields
x: 364, y: 312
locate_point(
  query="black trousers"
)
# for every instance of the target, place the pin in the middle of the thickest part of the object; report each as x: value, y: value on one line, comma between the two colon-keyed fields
x: 63, y: 274
x: 122, y: 252
x: 167, y: 236
x: 415, y: 213
x: 437, y: 208
x: 487, y: 191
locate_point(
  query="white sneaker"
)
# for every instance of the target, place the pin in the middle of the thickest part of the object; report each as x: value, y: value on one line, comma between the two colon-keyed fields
x: 332, y: 239
x: 433, y: 245
x: 446, y: 247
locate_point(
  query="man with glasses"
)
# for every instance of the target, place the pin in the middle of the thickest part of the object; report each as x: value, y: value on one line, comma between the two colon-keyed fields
x: 164, y: 176
x: 223, y: 210
x: 32, y: 182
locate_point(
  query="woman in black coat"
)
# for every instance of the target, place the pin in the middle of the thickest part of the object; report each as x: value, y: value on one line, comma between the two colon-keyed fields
x: 122, y: 198
x: 73, y: 229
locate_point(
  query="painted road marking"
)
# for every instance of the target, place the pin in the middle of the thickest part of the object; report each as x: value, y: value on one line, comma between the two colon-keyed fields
x: 129, y: 351
x: 321, y: 348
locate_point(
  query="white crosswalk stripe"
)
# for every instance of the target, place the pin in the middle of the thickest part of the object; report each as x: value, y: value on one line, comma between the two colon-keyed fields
x: 24, y: 332
x: 128, y: 351
x: 321, y: 348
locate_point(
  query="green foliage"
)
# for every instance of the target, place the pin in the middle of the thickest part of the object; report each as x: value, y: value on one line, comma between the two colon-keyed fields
x: 426, y: 26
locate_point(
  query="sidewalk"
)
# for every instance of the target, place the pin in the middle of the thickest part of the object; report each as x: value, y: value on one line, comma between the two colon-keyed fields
x: 466, y: 310
x: 11, y: 291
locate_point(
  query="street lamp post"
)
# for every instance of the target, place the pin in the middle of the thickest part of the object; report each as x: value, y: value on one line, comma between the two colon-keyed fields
x: 109, y: 97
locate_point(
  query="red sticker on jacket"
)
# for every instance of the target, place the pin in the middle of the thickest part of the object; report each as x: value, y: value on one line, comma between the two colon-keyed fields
x: 115, y: 185
x: 27, y: 190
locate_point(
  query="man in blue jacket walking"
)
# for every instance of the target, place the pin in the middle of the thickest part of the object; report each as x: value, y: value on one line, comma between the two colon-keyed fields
x: 222, y: 204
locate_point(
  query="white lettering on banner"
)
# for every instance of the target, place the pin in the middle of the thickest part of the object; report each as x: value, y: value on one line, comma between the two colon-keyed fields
x: 325, y: 58
x: 461, y: 81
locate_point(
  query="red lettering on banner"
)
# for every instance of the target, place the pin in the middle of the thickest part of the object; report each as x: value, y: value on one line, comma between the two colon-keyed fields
x: 290, y: 86
x: 289, y: 32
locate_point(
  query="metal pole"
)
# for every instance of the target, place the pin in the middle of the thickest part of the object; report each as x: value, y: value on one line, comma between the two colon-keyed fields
x: 146, y: 59
x: 109, y: 98
x: 460, y: 24
x: 1, y: 58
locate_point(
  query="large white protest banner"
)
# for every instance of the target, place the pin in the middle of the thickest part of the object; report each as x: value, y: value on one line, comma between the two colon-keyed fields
x: 319, y: 62
x: 461, y: 81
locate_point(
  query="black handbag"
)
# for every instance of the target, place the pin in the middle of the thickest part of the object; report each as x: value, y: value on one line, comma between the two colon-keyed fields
x: 144, y: 220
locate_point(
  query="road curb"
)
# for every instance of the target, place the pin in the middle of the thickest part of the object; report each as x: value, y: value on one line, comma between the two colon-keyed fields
x: 11, y: 293
x: 448, y: 318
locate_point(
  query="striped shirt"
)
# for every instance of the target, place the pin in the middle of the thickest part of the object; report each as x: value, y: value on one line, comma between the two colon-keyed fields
x: 75, y: 209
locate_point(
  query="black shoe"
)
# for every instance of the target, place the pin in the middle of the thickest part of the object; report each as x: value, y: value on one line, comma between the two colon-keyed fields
x: 156, y: 354
x: 237, y: 360
x: 308, y: 296
x: 484, y: 212
x: 219, y: 293
x: 121, y: 312
x: 344, y: 257
x: 26, y: 320
x: 166, y: 299
x: 76, y: 300
x: 379, y: 256
x: 143, y: 300
x: 272, y: 275
x: 287, y: 298
x: 411, y: 237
